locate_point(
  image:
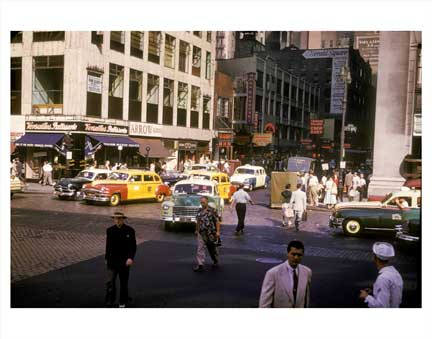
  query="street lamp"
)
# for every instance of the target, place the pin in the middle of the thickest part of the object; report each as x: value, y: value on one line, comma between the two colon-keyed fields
x: 147, y: 155
x: 119, y: 149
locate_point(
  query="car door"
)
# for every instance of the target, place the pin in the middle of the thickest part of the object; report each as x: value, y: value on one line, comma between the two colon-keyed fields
x: 391, y: 215
x: 223, y: 186
x: 135, y: 186
x: 150, y: 185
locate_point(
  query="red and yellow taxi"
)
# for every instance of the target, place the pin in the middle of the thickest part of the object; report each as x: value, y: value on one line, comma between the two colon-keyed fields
x: 225, y: 188
x: 126, y: 185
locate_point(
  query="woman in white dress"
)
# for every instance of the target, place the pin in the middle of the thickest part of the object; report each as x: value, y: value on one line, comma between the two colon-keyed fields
x: 331, y: 192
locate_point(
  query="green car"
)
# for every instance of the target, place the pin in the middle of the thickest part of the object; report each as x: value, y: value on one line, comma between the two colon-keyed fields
x: 408, y: 232
x: 382, y: 216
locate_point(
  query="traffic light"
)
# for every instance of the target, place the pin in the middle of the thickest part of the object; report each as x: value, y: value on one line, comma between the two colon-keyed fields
x: 71, y: 163
x: 82, y: 163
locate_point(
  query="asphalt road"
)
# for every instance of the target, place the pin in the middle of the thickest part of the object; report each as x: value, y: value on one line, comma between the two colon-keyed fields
x: 58, y: 247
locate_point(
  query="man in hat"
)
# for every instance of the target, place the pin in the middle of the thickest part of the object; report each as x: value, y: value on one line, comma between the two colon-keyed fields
x: 387, y: 289
x: 119, y: 256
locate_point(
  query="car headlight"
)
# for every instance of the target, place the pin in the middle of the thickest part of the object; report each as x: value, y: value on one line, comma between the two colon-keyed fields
x: 70, y: 186
x: 247, y: 180
x: 165, y: 207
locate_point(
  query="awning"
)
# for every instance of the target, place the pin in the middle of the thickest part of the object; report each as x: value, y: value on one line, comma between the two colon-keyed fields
x: 39, y: 140
x: 157, y: 149
x: 115, y: 141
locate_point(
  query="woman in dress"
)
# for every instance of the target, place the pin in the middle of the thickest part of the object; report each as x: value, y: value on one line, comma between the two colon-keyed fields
x: 331, y: 192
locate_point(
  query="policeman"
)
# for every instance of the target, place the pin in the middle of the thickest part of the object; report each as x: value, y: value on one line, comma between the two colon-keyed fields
x: 387, y: 289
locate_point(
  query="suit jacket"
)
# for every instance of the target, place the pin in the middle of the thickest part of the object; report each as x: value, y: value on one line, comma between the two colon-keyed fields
x: 277, y: 289
x: 298, y: 200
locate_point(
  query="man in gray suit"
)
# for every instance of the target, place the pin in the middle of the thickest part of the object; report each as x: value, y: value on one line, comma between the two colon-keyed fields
x: 287, y: 284
x: 298, y: 203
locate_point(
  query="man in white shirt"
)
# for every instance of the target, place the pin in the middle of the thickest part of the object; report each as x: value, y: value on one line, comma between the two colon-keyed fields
x: 240, y: 199
x: 298, y: 203
x: 387, y: 289
x: 47, y: 173
x: 313, y: 188
x: 288, y: 284
x: 362, y: 187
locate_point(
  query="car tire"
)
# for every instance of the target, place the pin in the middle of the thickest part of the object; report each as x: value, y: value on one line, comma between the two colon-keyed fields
x: 167, y: 225
x: 251, y: 188
x: 115, y: 199
x: 160, y: 197
x: 352, y: 227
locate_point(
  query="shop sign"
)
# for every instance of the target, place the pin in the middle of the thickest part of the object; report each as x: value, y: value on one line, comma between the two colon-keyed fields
x: 145, y: 130
x: 262, y: 139
x: 104, y: 128
x: 270, y: 128
x: 94, y: 84
x: 306, y: 141
x: 225, y: 139
x: 316, y: 126
x: 250, y: 98
x: 187, y: 146
x: 39, y: 154
x: 242, y: 139
x: 52, y: 126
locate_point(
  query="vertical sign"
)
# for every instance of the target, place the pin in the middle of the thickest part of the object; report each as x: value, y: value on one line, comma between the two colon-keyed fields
x: 250, y: 98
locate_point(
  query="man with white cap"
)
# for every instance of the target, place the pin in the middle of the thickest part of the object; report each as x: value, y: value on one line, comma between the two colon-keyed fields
x: 387, y: 289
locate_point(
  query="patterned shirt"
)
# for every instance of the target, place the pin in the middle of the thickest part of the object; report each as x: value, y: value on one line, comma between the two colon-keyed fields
x: 207, y: 220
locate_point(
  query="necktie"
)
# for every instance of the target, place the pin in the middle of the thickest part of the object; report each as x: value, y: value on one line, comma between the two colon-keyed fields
x: 295, y: 278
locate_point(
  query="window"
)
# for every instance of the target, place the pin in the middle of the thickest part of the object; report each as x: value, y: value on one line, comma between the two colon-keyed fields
x: 279, y: 87
x: 209, y: 36
x: 16, y: 83
x: 182, y: 101
x: 137, y: 44
x: 155, y: 40
x: 48, y: 82
x: 196, y: 61
x: 208, y: 65
x: 195, y: 104
x: 258, y: 103
x: 39, y: 36
x: 148, y: 177
x: 240, y: 108
x: 117, y: 41
x: 223, y: 107
x: 168, y: 102
x: 152, y: 98
x: 135, y: 95
x: 115, y: 94
x: 184, y: 57
x: 16, y: 37
x: 97, y: 37
x: 197, y: 33
x: 206, y: 112
x: 94, y: 94
x: 331, y: 43
x: 260, y: 78
x: 135, y: 178
x: 170, y: 44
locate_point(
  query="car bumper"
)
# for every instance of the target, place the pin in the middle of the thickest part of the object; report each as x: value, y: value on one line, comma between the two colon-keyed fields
x: 335, y: 222
x: 178, y: 218
x: 94, y: 196
x: 63, y: 192
x: 407, y: 238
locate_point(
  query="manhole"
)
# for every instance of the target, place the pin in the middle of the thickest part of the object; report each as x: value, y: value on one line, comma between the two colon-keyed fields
x: 269, y: 260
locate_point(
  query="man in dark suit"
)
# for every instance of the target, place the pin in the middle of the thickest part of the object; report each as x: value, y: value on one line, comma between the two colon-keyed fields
x: 119, y: 256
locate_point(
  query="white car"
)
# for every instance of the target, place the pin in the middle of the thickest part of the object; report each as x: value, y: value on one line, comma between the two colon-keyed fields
x: 250, y: 176
x: 201, y: 167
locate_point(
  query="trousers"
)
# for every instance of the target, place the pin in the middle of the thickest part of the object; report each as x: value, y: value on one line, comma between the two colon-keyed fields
x: 111, y: 291
x: 297, y: 218
x: 241, y: 214
x: 204, y: 242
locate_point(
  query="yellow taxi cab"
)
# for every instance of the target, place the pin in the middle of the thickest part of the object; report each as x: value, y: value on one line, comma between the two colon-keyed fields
x: 123, y: 185
x: 226, y: 190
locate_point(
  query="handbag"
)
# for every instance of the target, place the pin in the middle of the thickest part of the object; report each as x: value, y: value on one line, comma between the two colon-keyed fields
x: 304, y: 215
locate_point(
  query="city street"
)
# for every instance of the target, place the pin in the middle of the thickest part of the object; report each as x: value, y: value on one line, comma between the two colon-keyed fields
x: 58, y: 257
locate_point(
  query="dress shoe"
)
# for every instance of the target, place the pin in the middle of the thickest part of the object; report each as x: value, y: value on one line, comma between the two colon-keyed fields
x: 199, y: 268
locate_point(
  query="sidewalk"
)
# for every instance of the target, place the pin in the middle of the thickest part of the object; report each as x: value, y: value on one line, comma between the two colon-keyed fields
x: 33, y: 187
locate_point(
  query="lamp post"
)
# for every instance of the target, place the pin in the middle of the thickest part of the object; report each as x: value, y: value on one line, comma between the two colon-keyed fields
x: 345, y: 76
x: 147, y: 155
x: 119, y: 149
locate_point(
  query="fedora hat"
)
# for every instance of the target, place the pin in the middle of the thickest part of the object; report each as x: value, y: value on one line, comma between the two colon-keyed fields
x: 119, y: 215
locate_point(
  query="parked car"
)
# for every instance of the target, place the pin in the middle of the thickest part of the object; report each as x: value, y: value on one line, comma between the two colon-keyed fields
x: 200, y: 167
x: 250, y: 176
x: 125, y: 185
x: 16, y: 185
x: 384, y: 215
x: 170, y: 177
x: 71, y: 187
x: 183, y: 205
x: 225, y: 188
x: 408, y: 232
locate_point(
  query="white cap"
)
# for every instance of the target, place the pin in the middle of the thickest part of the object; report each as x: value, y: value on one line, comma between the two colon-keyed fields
x: 383, y: 250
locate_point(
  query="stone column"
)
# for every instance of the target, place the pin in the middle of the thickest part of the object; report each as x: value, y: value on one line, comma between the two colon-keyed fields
x: 390, y: 140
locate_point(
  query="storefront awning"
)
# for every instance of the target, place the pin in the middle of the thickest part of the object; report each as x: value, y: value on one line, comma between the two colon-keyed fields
x: 157, y: 149
x: 47, y: 140
x: 115, y: 141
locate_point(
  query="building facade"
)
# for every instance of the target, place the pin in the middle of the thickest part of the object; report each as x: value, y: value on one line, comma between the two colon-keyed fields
x: 123, y: 96
x: 272, y: 107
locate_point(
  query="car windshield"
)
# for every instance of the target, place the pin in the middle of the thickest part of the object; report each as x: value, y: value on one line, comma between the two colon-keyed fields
x: 387, y: 197
x: 190, y: 200
x: 199, y: 167
x: 201, y: 176
x: 244, y: 171
x: 193, y: 188
x: 86, y: 174
x: 118, y: 176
